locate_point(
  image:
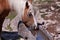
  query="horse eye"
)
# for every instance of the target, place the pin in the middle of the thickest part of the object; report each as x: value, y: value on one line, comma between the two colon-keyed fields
x: 30, y: 14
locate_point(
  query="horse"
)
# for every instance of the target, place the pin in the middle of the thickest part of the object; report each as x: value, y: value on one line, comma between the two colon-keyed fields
x: 23, y: 8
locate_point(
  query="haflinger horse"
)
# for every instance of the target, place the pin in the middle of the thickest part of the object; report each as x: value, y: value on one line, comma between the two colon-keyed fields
x: 23, y: 8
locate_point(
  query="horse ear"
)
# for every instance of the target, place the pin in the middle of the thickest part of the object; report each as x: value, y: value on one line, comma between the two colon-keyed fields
x: 30, y: 1
x: 27, y: 5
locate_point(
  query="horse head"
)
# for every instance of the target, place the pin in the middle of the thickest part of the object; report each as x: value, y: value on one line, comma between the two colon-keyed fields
x: 28, y: 17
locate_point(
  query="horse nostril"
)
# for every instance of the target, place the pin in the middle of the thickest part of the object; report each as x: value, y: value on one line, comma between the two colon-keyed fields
x: 26, y: 38
x: 36, y: 28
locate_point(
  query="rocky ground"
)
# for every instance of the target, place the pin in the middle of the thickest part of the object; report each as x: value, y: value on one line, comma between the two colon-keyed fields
x: 49, y: 13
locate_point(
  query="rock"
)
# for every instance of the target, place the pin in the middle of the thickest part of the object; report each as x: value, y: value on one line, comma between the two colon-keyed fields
x: 24, y: 32
x: 14, y: 23
x: 5, y: 24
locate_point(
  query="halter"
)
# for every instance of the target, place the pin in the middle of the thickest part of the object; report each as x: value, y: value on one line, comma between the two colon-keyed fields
x: 20, y: 22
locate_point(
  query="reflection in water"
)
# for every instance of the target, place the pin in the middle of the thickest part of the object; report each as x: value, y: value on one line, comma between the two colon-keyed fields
x: 41, y: 36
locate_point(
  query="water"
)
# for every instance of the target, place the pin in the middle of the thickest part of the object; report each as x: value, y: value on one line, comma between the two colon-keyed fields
x: 9, y: 35
x: 41, y: 36
x: 39, y: 33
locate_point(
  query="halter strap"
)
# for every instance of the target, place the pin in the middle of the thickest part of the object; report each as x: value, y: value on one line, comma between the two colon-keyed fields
x: 20, y: 22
